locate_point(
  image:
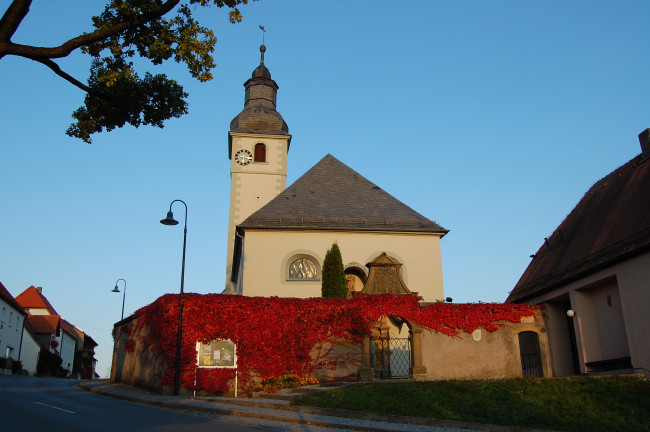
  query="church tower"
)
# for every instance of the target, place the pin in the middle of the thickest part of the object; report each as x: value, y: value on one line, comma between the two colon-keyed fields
x: 258, y: 143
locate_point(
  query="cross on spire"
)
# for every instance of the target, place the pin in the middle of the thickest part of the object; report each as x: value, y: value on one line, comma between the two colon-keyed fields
x: 263, y: 31
x: 262, y: 47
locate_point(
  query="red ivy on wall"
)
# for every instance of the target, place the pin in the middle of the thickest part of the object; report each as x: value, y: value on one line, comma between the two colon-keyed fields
x: 276, y: 335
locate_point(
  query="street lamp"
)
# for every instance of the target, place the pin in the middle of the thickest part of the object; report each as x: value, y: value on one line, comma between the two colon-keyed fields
x: 169, y: 220
x: 116, y: 289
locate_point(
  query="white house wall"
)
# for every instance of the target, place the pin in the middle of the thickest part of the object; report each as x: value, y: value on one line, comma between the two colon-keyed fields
x: 268, y: 254
x: 11, y: 326
x: 67, y: 348
x: 29, y: 353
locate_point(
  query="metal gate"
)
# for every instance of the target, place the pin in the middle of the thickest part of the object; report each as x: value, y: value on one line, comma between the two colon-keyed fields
x: 531, y: 359
x: 390, y: 357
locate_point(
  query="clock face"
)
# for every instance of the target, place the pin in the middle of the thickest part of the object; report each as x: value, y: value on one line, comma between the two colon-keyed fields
x: 243, y: 157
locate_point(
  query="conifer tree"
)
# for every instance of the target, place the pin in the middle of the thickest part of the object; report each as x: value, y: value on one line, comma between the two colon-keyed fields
x: 333, y: 279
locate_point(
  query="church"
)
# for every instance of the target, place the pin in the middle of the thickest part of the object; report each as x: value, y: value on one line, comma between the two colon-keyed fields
x: 278, y: 236
x: 273, y: 316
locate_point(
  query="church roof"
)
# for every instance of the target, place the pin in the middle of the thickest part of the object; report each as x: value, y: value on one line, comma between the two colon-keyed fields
x: 608, y: 225
x: 331, y: 195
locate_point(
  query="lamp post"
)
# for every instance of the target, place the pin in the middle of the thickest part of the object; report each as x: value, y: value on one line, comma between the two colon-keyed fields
x: 116, y: 289
x: 169, y: 220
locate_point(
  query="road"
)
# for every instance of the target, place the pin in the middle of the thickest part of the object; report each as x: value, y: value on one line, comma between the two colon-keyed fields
x: 30, y: 404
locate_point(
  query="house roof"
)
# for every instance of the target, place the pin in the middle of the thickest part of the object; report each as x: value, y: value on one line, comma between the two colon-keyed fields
x: 45, y: 324
x: 70, y: 329
x: 10, y: 300
x: 608, y: 225
x: 81, y: 335
x: 33, y: 298
x: 333, y: 196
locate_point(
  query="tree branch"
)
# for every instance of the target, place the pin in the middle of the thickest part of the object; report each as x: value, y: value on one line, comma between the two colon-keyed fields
x: 57, y: 70
x: 31, y: 52
x: 12, y: 18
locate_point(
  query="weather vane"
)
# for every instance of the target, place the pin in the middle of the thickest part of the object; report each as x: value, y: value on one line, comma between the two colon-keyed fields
x: 263, y: 31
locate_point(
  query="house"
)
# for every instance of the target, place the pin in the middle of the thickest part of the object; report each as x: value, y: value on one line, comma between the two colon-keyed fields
x: 12, y: 317
x: 592, y: 276
x: 277, y: 237
x: 56, y: 335
x: 85, y: 361
x: 30, y: 349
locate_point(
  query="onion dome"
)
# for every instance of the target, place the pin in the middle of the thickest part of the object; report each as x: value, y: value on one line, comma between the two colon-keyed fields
x: 259, y: 114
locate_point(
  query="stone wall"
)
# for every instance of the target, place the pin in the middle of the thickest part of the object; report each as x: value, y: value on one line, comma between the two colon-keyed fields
x: 140, y: 367
x: 481, y: 355
x: 435, y: 356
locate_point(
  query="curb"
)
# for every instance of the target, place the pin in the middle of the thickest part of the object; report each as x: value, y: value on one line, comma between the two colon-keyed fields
x: 335, y: 418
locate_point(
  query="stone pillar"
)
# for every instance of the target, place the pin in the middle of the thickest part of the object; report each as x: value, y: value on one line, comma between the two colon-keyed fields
x: 366, y: 373
x: 418, y: 370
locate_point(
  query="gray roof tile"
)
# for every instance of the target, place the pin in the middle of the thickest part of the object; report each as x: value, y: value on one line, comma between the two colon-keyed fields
x: 331, y: 195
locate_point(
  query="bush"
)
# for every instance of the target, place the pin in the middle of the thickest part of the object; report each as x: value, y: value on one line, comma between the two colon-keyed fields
x: 49, y: 364
x: 287, y: 380
x: 17, y: 367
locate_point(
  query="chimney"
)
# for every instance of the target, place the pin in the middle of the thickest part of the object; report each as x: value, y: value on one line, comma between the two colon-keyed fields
x: 644, y: 140
x: 40, y: 289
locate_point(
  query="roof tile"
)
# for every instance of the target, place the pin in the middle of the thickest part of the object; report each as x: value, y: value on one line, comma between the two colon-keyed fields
x: 45, y: 324
x: 7, y: 297
x: 32, y: 298
x: 331, y: 195
x: 609, y: 224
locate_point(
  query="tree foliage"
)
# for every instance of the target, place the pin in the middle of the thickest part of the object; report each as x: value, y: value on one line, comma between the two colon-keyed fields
x: 333, y: 278
x: 157, y: 30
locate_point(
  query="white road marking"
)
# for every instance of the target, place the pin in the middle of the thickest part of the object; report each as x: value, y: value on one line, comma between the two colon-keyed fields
x: 51, y: 406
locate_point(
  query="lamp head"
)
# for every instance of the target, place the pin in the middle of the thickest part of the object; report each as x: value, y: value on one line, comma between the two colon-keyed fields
x: 116, y: 289
x: 169, y: 220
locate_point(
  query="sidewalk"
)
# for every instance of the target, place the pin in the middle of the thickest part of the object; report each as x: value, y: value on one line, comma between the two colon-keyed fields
x: 282, y: 410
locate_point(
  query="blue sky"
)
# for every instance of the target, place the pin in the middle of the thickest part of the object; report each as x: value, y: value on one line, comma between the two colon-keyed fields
x: 490, y: 118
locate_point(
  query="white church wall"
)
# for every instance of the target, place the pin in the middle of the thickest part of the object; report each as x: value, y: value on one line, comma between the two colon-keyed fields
x: 267, y: 254
x: 254, y: 184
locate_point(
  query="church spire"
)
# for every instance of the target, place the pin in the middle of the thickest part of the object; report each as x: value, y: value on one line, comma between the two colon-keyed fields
x: 259, y: 114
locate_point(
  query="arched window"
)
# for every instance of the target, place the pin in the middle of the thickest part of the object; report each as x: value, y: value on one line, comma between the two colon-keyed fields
x: 260, y: 153
x: 303, y: 267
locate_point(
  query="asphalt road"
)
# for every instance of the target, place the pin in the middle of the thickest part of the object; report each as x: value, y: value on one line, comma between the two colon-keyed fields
x: 29, y: 404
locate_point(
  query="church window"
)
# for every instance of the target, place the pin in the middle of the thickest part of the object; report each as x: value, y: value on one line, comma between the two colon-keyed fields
x: 260, y: 153
x: 303, y: 268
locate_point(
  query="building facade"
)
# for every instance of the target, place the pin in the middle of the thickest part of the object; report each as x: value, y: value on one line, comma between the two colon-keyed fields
x: 277, y: 237
x: 592, y: 276
x: 12, y: 317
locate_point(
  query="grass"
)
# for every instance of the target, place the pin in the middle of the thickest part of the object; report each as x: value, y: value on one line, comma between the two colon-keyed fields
x: 589, y: 404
